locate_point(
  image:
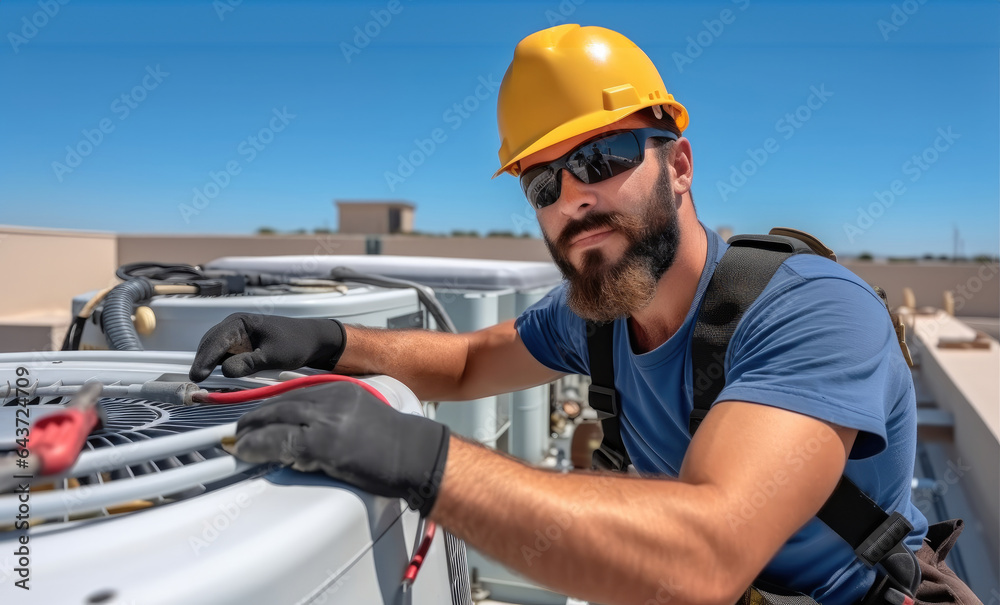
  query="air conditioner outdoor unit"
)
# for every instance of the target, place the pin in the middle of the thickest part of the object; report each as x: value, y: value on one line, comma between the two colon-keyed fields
x: 180, y: 320
x: 154, y: 511
x: 476, y: 293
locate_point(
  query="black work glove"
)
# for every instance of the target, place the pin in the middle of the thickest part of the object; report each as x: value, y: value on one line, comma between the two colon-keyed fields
x: 352, y: 436
x: 245, y: 343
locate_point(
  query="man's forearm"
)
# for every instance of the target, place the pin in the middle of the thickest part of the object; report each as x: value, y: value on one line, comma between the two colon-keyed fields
x: 431, y: 364
x: 606, y: 538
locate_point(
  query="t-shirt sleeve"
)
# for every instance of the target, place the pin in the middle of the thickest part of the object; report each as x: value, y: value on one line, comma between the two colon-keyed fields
x: 821, y: 347
x: 554, y: 335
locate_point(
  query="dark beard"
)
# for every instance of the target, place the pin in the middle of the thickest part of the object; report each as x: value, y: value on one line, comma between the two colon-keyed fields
x: 601, y: 292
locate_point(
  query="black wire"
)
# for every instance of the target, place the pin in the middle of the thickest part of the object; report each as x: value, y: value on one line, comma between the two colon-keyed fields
x: 78, y: 334
x: 164, y: 272
x: 68, y: 339
x: 71, y: 342
x: 434, y: 307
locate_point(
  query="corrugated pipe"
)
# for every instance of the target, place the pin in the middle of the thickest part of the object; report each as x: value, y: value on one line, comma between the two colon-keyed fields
x: 116, y: 319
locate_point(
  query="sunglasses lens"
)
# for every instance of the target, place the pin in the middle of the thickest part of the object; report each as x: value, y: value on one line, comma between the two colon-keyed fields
x: 612, y: 156
x: 541, y: 186
x: 592, y: 162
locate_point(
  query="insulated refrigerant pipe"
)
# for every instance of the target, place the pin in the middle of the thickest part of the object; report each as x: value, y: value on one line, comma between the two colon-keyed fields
x: 116, y: 319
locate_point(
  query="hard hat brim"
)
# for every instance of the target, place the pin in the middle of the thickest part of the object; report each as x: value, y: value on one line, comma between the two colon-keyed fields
x: 586, y: 123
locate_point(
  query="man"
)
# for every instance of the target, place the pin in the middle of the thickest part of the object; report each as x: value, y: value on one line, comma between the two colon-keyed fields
x: 816, y: 385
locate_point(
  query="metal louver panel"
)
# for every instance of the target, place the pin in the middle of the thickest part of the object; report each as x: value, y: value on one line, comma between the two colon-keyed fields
x: 458, y: 570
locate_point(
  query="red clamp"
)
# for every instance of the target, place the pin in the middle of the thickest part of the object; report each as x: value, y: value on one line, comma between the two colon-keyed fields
x: 58, y: 438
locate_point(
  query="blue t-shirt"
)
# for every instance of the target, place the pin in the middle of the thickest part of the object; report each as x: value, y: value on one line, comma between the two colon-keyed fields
x: 817, y: 341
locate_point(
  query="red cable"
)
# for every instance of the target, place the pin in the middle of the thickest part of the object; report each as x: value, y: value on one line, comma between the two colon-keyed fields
x: 306, y: 381
x: 284, y: 387
x: 418, y: 558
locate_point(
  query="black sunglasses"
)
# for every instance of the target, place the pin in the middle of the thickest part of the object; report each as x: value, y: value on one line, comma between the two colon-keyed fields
x: 602, y: 157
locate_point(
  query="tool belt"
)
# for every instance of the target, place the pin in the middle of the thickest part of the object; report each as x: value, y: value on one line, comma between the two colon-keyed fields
x: 939, y: 584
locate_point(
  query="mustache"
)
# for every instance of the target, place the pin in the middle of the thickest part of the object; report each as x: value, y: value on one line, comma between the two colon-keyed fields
x: 587, y: 223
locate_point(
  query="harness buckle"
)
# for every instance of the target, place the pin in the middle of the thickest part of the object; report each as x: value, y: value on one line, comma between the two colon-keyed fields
x: 607, y: 459
x: 899, y: 576
x: 604, y: 400
x: 695, y: 419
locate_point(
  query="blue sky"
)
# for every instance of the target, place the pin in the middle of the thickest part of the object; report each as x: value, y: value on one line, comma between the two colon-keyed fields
x: 271, y: 110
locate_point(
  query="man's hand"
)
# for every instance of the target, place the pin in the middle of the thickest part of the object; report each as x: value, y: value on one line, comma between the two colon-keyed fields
x: 350, y: 435
x: 245, y: 343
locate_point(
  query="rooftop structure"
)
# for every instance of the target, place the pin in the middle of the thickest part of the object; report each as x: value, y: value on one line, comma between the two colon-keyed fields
x: 375, y: 217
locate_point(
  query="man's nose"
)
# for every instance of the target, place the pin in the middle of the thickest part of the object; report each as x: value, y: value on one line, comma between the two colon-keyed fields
x: 575, y: 196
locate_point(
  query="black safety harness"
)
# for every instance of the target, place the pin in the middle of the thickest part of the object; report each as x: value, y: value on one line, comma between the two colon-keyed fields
x: 741, y: 275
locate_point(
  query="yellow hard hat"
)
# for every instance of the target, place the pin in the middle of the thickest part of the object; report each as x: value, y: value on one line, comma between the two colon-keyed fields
x: 567, y: 80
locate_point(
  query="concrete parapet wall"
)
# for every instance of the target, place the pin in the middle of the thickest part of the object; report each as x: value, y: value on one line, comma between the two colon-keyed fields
x: 44, y: 268
x: 964, y: 382
x: 201, y: 249
x: 194, y: 250
x: 975, y: 286
x: 496, y: 248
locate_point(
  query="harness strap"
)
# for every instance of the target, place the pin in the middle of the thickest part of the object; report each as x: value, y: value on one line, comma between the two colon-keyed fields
x: 744, y: 271
x: 740, y: 277
x: 603, y: 397
x: 875, y: 535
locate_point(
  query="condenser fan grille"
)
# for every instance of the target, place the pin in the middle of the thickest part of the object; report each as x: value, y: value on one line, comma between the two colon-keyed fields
x: 125, y: 417
x: 129, y: 421
x: 156, y: 452
x: 14, y: 402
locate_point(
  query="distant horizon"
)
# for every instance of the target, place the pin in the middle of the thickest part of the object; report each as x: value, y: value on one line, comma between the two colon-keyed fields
x: 872, y: 126
x: 925, y: 257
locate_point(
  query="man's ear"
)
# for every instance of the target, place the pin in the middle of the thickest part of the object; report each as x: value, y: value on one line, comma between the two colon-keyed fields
x: 681, y: 165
